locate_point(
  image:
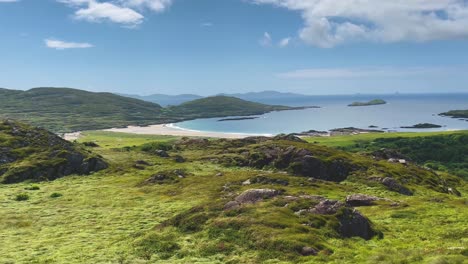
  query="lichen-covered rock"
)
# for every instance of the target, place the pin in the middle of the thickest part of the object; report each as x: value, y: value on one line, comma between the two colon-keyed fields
x: 28, y: 153
x: 255, y: 195
x: 360, y: 200
x: 395, y: 186
x: 251, y: 196
x: 351, y: 221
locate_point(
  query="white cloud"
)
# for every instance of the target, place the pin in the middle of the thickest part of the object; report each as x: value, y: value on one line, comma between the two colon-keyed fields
x: 328, y: 23
x: 61, y: 45
x: 207, y: 24
x: 118, y: 11
x: 266, y: 40
x: 284, y: 42
x: 369, y: 72
x: 155, y: 5
x: 8, y: 1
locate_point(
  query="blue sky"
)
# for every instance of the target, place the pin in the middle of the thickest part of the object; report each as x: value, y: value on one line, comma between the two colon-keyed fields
x: 214, y: 46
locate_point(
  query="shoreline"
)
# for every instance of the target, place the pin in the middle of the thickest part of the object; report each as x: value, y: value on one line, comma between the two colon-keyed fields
x: 172, y: 130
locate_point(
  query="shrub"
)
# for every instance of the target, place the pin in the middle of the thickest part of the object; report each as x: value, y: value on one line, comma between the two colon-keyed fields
x: 22, y: 197
x: 32, y: 188
x: 56, y: 195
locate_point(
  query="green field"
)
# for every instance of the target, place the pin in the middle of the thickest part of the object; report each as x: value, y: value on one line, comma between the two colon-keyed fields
x: 109, y: 217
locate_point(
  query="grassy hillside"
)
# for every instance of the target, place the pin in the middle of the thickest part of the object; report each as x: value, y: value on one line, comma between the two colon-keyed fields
x: 220, y: 106
x: 149, y: 208
x: 63, y: 109
x: 66, y: 110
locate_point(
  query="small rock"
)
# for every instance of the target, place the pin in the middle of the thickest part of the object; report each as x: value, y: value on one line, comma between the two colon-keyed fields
x: 360, y: 200
x: 142, y: 162
x: 328, y: 207
x: 219, y: 174
x: 247, y: 182
x: 161, y: 153
x: 393, y: 185
x: 308, y: 251
x: 179, y: 159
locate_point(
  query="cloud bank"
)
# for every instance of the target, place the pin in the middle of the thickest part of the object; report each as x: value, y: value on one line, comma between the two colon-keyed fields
x: 328, y: 23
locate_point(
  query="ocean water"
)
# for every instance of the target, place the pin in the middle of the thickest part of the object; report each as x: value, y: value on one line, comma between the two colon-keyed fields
x: 400, y: 110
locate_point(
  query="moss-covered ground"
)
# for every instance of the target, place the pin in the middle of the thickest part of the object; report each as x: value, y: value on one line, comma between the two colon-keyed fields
x: 111, y: 217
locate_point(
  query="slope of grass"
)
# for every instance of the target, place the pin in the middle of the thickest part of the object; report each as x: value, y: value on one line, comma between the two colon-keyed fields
x: 65, y: 110
x: 110, y: 217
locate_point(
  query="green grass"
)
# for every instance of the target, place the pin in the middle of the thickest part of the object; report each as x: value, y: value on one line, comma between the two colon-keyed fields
x: 109, y: 217
x: 350, y: 140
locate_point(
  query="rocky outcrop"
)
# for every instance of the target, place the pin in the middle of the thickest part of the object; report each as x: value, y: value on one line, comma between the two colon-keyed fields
x: 360, y: 200
x: 394, y: 185
x: 299, y: 161
x: 250, y: 197
x: 351, y: 222
x: 35, y: 154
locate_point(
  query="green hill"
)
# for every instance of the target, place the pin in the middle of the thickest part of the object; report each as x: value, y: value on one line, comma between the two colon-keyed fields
x: 220, y: 106
x: 66, y: 110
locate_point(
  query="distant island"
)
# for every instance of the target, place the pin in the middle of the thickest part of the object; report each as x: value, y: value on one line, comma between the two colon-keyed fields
x: 423, y: 125
x: 237, y: 118
x: 373, y: 102
x: 456, y: 114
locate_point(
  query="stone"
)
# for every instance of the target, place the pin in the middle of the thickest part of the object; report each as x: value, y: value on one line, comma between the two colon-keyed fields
x: 395, y: 186
x: 308, y: 251
x: 360, y: 200
x: 255, y: 195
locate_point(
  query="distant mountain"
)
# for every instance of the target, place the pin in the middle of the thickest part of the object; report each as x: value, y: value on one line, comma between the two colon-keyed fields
x: 164, y: 99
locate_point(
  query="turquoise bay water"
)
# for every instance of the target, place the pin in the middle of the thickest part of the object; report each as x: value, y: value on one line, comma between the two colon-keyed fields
x: 401, y: 110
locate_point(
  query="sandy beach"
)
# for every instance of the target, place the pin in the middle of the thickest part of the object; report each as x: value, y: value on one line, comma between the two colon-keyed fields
x: 169, y: 130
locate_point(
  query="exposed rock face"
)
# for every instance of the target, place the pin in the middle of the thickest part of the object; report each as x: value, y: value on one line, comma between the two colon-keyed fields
x: 297, y: 160
x: 36, y: 154
x: 308, y: 251
x: 352, y: 222
x: 251, y: 196
x: 386, y: 154
x: 360, y: 200
x: 395, y: 186
x: 255, y: 195
x: 166, y: 177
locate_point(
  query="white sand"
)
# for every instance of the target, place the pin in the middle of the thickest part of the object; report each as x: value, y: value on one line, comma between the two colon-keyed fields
x: 72, y: 136
x: 170, y: 130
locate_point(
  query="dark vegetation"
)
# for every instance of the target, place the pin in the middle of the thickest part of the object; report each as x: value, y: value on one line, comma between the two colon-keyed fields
x: 28, y: 153
x: 372, y: 102
x: 67, y: 110
x: 456, y: 113
x: 443, y: 153
x: 423, y: 125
